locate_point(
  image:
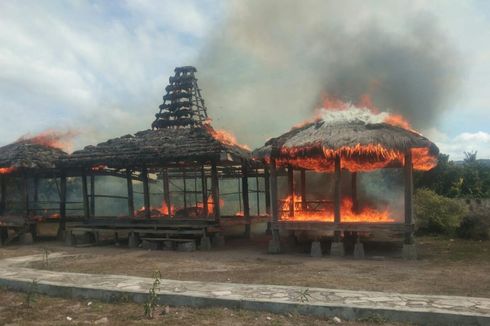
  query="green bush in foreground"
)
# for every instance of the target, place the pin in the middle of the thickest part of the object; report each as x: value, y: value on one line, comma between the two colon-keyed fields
x: 437, y: 214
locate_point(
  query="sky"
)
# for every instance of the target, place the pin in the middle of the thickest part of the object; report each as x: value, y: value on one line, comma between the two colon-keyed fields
x: 100, y: 67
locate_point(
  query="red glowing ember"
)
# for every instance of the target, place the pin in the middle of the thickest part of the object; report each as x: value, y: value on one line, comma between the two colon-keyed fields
x: 6, y: 170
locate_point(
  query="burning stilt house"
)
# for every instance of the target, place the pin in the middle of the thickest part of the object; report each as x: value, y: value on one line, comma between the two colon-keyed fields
x: 188, y: 156
x: 25, y: 166
x: 341, y: 141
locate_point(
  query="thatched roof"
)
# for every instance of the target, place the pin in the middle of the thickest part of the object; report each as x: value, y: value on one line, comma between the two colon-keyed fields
x: 362, y: 146
x: 157, y: 147
x: 27, y: 155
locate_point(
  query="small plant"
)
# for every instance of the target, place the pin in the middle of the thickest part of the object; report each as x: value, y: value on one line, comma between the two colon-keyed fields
x: 152, y: 300
x: 30, y: 296
x: 45, y: 257
x: 303, y: 296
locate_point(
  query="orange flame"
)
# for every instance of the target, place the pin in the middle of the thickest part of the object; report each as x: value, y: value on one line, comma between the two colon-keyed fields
x: 347, y: 214
x: 51, y: 138
x: 6, y: 170
x: 225, y: 137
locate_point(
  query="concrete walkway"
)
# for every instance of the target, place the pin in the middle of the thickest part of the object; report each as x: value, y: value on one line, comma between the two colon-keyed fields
x: 15, y: 273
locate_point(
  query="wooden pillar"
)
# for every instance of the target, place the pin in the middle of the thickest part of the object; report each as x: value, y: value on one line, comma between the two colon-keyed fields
x: 166, y: 192
x: 25, y: 195
x: 355, y: 199
x: 146, y: 192
x: 204, y: 189
x: 267, y: 187
x: 257, y: 192
x: 246, y: 202
x: 215, y: 190
x: 35, y: 198
x: 86, y: 208
x: 408, y: 174
x: 274, y: 199
x: 3, y: 190
x: 129, y: 183
x: 62, y: 226
x: 303, y: 190
x: 291, y: 190
x: 185, y: 189
x: 92, y: 195
x: 337, y: 196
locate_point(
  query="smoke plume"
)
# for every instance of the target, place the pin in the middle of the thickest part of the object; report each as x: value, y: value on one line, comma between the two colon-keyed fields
x: 267, y: 67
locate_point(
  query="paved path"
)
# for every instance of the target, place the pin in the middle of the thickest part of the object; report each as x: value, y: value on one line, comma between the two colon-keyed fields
x: 424, y: 309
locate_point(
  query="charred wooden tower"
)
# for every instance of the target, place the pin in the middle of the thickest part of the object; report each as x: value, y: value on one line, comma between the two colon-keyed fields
x: 183, y: 152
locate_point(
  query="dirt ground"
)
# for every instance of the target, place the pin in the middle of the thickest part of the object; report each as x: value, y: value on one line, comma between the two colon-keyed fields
x: 56, y: 311
x: 445, y: 266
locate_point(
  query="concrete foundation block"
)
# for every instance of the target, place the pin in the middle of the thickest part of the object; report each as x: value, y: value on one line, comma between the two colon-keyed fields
x: 218, y: 240
x: 70, y: 239
x: 337, y: 249
x: 274, y: 247
x: 149, y: 245
x: 205, y: 243
x: 359, y: 250
x: 133, y: 241
x: 187, y: 246
x: 316, y: 249
x: 26, y: 238
x: 409, y: 251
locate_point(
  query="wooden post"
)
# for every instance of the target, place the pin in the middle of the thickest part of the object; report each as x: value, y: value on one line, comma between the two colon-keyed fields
x: 274, y: 199
x: 35, y: 197
x: 408, y: 174
x: 291, y: 190
x: 185, y: 189
x: 303, y: 190
x: 129, y: 183
x: 204, y: 188
x: 92, y: 194
x: 62, y: 226
x: 3, y: 190
x: 267, y: 187
x: 166, y: 192
x: 257, y: 192
x: 246, y: 203
x: 215, y: 190
x: 355, y: 199
x: 146, y: 192
x: 25, y: 194
x: 86, y: 209
x: 337, y: 196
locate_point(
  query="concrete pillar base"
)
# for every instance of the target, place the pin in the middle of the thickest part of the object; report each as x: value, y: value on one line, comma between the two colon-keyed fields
x: 337, y: 249
x: 274, y: 246
x: 26, y: 238
x: 187, y: 246
x: 70, y: 239
x: 316, y: 249
x: 268, y: 231
x: 359, y: 250
x: 133, y: 241
x: 248, y: 231
x: 205, y: 243
x: 218, y: 240
x: 409, y: 251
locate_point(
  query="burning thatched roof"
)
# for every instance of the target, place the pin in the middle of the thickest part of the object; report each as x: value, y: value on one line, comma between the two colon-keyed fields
x: 25, y: 154
x: 157, y: 147
x: 362, y: 146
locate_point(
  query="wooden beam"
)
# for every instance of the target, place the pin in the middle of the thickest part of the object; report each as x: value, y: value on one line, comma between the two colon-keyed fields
x: 204, y: 189
x: 86, y: 208
x: 408, y: 176
x: 146, y: 192
x: 267, y: 187
x: 92, y: 195
x: 337, y: 191
x: 246, y: 202
x: 166, y: 192
x: 303, y: 189
x: 129, y: 184
x: 215, y: 190
x: 355, y: 199
x: 3, y: 190
x: 62, y: 226
x: 274, y: 199
x: 291, y: 190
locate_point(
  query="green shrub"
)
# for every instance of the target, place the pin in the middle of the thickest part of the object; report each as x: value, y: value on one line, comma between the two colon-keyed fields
x: 475, y: 226
x: 437, y: 214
